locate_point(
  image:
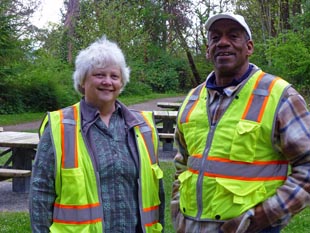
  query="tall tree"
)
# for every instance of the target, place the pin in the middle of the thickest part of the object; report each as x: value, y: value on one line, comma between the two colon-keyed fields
x: 284, y: 15
x: 72, y: 14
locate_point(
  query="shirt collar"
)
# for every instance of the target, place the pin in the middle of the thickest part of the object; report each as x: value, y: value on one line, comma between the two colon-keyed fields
x: 91, y: 113
x: 227, y: 89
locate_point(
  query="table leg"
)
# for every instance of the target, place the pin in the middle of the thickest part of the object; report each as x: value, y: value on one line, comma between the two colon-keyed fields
x: 22, y: 159
x: 168, y: 127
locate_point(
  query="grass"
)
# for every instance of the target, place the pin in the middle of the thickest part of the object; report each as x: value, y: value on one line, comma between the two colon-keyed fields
x: 19, y: 221
x: 12, y: 119
x: 14, y: 222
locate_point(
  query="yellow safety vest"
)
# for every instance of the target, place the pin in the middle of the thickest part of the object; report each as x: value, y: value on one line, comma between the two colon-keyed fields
x: 232, y: 165
x: 78, y: 206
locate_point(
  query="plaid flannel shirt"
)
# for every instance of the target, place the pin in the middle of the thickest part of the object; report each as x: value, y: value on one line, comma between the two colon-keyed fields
x: 292, y: 140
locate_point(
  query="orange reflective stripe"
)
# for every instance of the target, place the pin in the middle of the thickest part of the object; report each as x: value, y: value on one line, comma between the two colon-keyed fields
x: 253, y: 163
x: 246, y: 178
x: 194, y: 104
x: 151, y: 208
x: 262, y: 110
x: 199, y: 156
x: 77, y: 206
x: 78, y: 222
x: 75, y: 114
x: 143, y: 136
x: 239, y: 177
x: 191, y: 110
x: 252, y: 96
x: 147, y: 122
x: 62, y: 131
x: 146, y: 146
x: 151, y: 223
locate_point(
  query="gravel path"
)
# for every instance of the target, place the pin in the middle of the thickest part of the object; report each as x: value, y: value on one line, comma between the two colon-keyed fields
x: 18, y: 202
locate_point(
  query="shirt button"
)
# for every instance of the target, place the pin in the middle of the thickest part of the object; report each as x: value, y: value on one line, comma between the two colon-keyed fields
x: 217, y: 217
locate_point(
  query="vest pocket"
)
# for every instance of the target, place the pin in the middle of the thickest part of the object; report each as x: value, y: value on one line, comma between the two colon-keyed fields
x: 187, y: 188
x: 195, y: 136
x: 244, y: 141
x: 155, y: 228
x: 152, y: 183
x: 70, y: 180
x: 233, y: 197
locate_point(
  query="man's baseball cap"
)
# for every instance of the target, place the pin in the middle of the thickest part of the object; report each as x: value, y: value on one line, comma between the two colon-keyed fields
x: 228, y: 15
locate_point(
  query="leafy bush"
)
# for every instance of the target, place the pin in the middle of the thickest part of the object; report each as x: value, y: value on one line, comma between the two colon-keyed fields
x: 290, y: 58
x: 44, y: 85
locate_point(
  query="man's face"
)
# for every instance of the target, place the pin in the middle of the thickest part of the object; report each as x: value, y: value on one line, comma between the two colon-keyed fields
x: 228, y: 48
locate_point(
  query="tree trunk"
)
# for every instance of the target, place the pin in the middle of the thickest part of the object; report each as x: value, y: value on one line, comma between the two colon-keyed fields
x: 284, y: 15
x: 69, y: 26
x: 296, y: 7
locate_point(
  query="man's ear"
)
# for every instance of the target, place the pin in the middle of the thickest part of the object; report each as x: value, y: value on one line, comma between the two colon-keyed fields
x: 250, y: 46
x: 207, y: 53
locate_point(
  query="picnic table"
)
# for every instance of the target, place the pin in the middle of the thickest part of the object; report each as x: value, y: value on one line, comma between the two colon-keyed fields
x: 22, y: 146
x: 170, y: 105
x: 166, y: 132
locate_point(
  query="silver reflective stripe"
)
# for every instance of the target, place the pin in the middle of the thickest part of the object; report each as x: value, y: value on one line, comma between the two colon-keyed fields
x: 150, y: 216
x: 69, y: 121
x: 260, y: 93
x: 241, y: 170
x: 144, y: 129
x: 147, y: 135
x: 69, y: 124
x: 191, y: 102
x: 77, y: 214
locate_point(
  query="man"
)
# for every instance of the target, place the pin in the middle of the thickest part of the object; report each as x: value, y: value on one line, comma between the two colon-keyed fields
x: 237, y: 133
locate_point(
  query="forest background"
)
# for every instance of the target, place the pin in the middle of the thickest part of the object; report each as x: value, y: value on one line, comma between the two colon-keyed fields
x: 164, y: 42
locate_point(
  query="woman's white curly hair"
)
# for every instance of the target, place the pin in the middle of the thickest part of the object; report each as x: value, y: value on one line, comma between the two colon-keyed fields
x: 100, y: 54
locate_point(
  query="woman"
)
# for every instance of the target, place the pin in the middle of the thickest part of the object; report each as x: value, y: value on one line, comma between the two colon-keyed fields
x: 96, y: 167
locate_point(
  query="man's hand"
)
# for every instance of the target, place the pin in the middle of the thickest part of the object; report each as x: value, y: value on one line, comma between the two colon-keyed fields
x: 259, y: 221
x: 251, y: 221
x: 239, y: 224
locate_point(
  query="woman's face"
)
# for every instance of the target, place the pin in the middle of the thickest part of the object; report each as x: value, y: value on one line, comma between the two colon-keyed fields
x: 102, y: 86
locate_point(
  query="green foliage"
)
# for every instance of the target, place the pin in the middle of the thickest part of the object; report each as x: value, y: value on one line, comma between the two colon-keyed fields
x: 160, y: 70
x: 289, y: 58
x: 136, y: 88
x: 50, y: 85
x: 44, y: 85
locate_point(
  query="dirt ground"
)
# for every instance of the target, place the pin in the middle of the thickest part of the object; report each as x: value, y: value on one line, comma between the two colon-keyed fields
x: 18, y: 202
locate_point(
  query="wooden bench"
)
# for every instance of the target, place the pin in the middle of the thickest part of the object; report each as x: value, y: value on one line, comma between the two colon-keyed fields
x: 19, y: 149
x: 7, y: 173
x: 167, y: 139
x: 166, y: 135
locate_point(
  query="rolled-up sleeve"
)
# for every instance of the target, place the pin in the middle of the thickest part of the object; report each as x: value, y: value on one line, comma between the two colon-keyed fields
x: 292, y: 139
